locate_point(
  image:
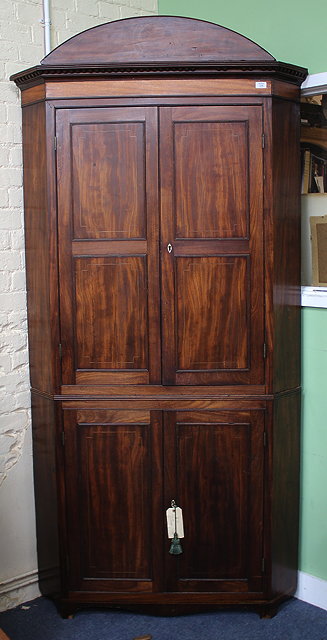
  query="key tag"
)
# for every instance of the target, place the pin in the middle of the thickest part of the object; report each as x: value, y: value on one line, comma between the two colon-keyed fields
x: 175, y: 528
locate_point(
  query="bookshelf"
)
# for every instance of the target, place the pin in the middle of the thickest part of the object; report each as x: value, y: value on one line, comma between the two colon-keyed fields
x: 313, y: 204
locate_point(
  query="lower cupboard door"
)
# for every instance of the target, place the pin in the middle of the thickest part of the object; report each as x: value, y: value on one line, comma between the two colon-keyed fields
x: 113, y: 499
x: 214, y: 471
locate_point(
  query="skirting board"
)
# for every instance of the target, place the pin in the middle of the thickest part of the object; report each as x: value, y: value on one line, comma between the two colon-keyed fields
x: 312, y: 590
x: 20, y: 589
x: 25, y: 587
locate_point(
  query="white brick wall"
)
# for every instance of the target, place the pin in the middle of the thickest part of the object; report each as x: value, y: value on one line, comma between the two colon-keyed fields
x: 71, y: 17
x: 21, y: 37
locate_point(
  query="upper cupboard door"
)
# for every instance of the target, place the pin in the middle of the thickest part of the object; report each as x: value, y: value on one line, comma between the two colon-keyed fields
x: 212, y: 245
x: 108, y: 238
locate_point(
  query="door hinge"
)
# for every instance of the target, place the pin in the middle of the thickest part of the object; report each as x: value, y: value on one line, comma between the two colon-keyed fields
x: 263, y: 565
x: 264, y: 350
x: 55, y: 143
x: 63, y: 438
x: 264, y: 438
x: 263, y: 140
x: 60, y: 351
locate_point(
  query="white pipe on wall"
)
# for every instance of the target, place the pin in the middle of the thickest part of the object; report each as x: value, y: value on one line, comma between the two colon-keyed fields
x: 47, y: 26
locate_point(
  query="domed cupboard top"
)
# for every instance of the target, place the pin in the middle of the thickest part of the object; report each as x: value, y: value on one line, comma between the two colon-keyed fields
x: 159, y: 45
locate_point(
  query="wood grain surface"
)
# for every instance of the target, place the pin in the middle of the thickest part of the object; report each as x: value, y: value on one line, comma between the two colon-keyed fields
x: 113, y: 463
x: 155, y: 39
x: 110, y: 305
x: 205, y: 197
x: 214, y: 465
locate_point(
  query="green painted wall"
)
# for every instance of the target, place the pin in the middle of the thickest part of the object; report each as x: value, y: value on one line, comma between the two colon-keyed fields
x: 293, y: 31
x: 313, y: 536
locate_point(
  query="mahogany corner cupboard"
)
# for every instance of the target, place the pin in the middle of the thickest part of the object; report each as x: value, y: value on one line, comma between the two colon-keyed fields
x: 162, y: 217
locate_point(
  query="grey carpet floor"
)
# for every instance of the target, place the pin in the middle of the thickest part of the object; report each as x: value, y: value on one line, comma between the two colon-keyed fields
x: 39, y: 620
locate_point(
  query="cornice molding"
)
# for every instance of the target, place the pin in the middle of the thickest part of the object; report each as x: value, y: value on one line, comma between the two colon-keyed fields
x: 278, y: 70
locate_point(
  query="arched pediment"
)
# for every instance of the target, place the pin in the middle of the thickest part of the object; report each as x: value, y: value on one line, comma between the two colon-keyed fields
x: 156, y: 39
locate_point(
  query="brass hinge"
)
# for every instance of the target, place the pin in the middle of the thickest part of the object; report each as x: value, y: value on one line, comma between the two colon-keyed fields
x: 264, y: 350
x: 60, y: 351
x: 263, y: 565
x: 263, y: 141
x: 63, y: 438
x: 55, y: 143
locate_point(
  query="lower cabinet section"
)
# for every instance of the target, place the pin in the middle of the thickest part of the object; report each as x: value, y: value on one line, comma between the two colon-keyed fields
x: 123, y: 468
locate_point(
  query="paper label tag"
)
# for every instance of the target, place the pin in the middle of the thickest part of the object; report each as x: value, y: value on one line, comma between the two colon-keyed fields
x: 261, y: 85
x: 175, y: 522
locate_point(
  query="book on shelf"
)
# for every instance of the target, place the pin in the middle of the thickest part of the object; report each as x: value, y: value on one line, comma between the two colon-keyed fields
x: 306, y: 160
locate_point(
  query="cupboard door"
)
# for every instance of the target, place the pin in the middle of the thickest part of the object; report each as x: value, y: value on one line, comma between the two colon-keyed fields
x: 114, y: 499
x: 108, y: 245
x: 212, y: 245
x: 214, y: 471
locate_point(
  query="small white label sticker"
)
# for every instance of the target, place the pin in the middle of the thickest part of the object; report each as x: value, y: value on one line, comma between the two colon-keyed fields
x: 175, y: 522
x: 261, y: 85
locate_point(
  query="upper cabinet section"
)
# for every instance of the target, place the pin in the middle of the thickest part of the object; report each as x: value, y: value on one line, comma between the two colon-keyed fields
x: 168, y: 143
x: 207, y: 246
x: 159, y: 45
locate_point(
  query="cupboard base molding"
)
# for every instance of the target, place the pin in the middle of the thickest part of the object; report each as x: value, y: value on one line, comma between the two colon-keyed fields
x: 173, y: 606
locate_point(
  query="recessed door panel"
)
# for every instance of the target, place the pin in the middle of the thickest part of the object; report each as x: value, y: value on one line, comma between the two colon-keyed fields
x: 111, y: 313
x: 108, y: 180
x: 212, y: 245
x: 216, y: 477
x: 210, y: 154
x: 212, y: 313
x: 107, y: 163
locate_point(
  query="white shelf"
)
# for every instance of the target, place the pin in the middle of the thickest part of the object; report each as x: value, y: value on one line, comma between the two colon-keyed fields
x: 314, y: 297
x: 314, y: 84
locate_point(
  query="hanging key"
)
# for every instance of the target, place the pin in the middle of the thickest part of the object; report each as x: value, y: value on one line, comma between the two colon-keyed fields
x: 175, y: 528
